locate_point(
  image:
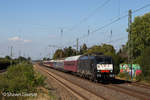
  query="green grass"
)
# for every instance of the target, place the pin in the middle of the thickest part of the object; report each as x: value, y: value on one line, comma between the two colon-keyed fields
x: 20, y: 78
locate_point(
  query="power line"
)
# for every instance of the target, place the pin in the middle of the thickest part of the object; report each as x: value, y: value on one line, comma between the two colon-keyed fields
x: 90, y: 15
x: 116, y: 40
x: 119, y: 18
x: 61, y: 32
x: 114, y: 21
x: 145, y: 6
x: 119, y: 7
x: 110, y: 23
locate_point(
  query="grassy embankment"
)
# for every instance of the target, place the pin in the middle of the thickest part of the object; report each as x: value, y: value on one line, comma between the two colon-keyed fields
x: 21, y: 79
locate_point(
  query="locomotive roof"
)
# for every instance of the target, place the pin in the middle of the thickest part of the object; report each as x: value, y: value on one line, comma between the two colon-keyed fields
x: 87, y: 57
x: 104, y: 56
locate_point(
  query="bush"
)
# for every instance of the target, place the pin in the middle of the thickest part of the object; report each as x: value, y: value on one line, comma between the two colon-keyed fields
x: 4, y: 63
x: 145, y: 64
x: 20, y: 78
x: 140, y: 77
x: 124, y: 75
x: 7, y: 61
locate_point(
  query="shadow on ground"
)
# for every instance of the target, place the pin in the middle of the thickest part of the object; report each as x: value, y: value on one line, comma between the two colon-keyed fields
x: 114, y: 81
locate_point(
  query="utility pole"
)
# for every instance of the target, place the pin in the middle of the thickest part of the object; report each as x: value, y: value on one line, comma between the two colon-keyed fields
x: 11, y: 54
x: 49, y: 56
x: 61, y: 36
x: 11, y: 51
x: 77, y: 44
x: 19, y: 56
x: 130, y: 49
x: 88, y: 31
x: 61, y: 32
x: 8, y: 50
x: 40, y: 56
x: 19, y: 53
x: 110, y: 35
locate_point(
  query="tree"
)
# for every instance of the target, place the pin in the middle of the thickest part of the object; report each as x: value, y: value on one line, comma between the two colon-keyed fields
x: 69, y: 52
x: 66, y: 52
x: 101, y: 49
x: 123, y: 54
x: 59, y: 54
x: 22, y: 58
x: 140, y: 35
x: 83, y: 49
x: 29, y: 58
x: 145, y: 63
x: 8, y: 57
x: 44, y: 58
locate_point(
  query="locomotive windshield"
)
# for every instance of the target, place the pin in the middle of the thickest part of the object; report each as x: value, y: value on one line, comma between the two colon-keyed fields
x: 104, y: 60
x: 108, y: 60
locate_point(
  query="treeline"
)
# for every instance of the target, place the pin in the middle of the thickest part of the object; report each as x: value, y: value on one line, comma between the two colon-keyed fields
x: 7, y: 61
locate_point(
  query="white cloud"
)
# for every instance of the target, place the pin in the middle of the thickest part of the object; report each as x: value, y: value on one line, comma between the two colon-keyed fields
x: 27, y: 41
x: 52, y: 36
x: 17, y: 38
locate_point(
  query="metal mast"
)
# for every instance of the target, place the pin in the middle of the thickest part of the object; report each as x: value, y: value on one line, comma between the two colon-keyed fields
x: 130, y: 47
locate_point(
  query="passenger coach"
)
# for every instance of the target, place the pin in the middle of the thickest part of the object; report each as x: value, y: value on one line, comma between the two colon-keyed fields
x: 71, y: 63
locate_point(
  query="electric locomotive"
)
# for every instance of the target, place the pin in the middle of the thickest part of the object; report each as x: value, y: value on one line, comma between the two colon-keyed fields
x: 104, y: 67
x: 96, y: 67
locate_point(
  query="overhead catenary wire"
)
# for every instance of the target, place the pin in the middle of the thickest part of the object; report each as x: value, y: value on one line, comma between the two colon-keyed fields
x: 114, y: 41
x: 90, y: 15
x: 119, y: 18
x: 145, y: 6
x: 113, y: 21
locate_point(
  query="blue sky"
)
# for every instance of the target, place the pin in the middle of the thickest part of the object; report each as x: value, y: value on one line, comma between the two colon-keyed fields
x: 31, y: 25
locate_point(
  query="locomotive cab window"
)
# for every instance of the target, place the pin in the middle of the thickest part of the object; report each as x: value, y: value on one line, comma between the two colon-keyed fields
x: 104, y: 60
x: 108, y: 60
x: 100, y: 60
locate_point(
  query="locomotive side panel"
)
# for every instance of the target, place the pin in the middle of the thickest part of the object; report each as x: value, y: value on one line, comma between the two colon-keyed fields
x: 85, y: 66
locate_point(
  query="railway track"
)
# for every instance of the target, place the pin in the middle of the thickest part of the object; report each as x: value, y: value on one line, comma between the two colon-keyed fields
x: 138, y: 94
x: 141, y: 85
x: 131, y: 92
x: 80, y: 92
x: 138, y: 84
x: 134, y: 93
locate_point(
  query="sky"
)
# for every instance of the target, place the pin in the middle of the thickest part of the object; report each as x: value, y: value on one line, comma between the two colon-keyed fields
x: 32, y: 27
